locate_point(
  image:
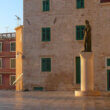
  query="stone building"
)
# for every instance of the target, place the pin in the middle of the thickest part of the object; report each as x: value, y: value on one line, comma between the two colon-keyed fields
x: 53, y: 39
x: 7, y: 60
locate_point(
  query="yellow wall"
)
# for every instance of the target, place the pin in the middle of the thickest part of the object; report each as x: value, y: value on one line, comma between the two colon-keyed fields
x: 19, y: 53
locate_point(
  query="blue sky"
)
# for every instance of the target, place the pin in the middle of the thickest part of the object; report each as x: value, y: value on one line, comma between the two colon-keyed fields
x: 8, y: 10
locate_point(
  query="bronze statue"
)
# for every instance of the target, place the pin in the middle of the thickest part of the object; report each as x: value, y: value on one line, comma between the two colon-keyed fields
x: 87, y: 37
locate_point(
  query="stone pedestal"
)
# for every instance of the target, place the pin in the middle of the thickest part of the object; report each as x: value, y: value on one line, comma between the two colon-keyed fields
x: 87, y: 75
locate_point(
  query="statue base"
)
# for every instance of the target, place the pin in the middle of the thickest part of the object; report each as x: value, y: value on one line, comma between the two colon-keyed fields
x: 87, y: 93
x: 87, y: 75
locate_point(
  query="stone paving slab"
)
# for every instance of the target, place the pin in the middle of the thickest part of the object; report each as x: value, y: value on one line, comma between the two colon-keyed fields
x: 10, y: 100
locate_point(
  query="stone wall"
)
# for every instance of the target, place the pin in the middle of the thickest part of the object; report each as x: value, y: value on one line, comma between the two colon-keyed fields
x: 63, y: 48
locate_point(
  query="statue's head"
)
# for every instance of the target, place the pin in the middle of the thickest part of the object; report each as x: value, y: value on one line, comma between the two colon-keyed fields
x: 87, y: 22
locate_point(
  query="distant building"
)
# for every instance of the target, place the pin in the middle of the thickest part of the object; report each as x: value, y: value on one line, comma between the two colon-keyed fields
x: 53, y: 40
x: 7, y: 60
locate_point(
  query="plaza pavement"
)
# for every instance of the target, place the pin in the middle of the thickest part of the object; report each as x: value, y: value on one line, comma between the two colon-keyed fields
x: 11, y: 100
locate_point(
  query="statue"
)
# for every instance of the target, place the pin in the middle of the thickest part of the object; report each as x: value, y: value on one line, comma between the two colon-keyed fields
x: 87, y: 37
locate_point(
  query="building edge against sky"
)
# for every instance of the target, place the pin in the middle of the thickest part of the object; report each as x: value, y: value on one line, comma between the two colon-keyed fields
x: 52, y: 41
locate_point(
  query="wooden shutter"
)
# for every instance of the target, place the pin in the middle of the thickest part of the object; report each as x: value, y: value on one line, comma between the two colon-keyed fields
x: 47, y: 5
x: 48, y: 34
x: 77, y: 33
x: 44, y: 5
x: 108, y: 80
x: 43, y: 34
x: 80, y: 3
x: 46, y: 64
x: 0, y: 62
x: 78, y: 70
x: 108, y: 62
x: 0, y: 79
x: 82, y: 32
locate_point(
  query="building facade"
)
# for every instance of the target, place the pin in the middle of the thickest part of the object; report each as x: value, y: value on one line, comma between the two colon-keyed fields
x: 53, y: 40
x: 7, y: 60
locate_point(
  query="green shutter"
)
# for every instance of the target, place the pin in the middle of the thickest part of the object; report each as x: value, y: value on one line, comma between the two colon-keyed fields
x: 46, y: 64
x: 77, y: 32
x: 46, y: 34
x: 108, y: 62
x: 46, y: 5
x: 0, y: 63
x: 0, y: 79
x: 80, y: 32
x: 108, y: 80
x: 80, y: 3
x: 78, y: 70
x: 43, y: 34
x: 0, y: 46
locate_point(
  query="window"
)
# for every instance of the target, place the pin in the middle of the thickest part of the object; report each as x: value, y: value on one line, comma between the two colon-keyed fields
x: 46, y: 5
x: 80, y: 3
x: 80, y: 32
x: 46, y: 34
x: 46, y: 65
x: 12, y: 63
x: 0, y: 46
x: 104, y: 1
x: 0, y: 79
x: 0, y: 62
x: 78, y: 70
x: 12, y: 47
x: 108, y: 61
x: 12, y: 79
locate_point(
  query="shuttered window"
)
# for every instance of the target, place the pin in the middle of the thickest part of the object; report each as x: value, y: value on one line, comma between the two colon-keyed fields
x: 108, y: 62
x: 0, y: 62
x: 12, y: 79
x: 78, y: 70
x: 0, y: 46
x: 12, y: 47
x: 46, y: 34
x: 13, y: 63
x: 46, y: 5
x: 0, y: 79
x: 80, y: 32
x: 46, y: 65
x: 80, y: 3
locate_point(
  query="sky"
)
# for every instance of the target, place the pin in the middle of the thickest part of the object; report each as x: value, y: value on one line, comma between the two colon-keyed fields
x: 8, y: 10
